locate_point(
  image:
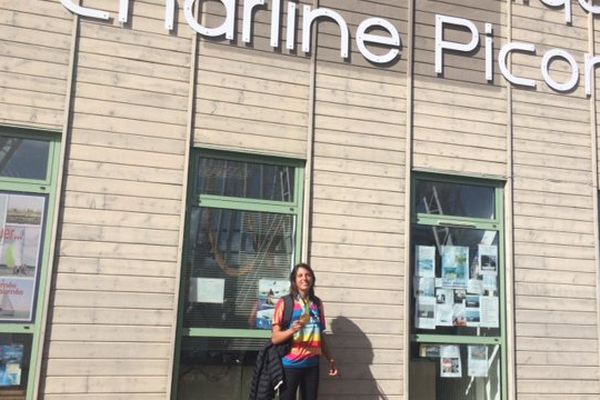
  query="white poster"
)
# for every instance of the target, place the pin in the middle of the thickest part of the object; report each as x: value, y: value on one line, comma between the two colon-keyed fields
x: 444, y: 314
x: 489, y: 282
x: 458, y: 315
x: 478, y: 361
x: 475, y: 286
x: 207, y: 290
x: 425, y: 261
x: 472, y: 312
x: 455, y: 266
x: 450, y: 363
x: 490, y: 312
x: 425, y: 312
x: 424, y: 286
x: 488, y: 259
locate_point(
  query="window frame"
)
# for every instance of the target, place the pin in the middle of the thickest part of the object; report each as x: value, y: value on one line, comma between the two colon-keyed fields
x: 452, y: 221
x: 195, y: 199
x: 46, y: 187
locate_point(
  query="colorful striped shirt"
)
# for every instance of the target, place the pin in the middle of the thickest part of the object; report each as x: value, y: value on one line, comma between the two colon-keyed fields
x: 306, y: 343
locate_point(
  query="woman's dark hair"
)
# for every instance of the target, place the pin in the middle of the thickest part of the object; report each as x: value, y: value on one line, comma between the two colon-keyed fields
x: 294, y: 289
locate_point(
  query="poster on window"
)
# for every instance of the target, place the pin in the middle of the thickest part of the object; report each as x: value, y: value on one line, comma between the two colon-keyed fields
x: 455, y: 266
x: 488, y: 259
x: 425, y: 261
x: 478, y: 361
x: 21, y: 220
x: 11, y: 360
x: 269, y: 293
x: 450, y: 363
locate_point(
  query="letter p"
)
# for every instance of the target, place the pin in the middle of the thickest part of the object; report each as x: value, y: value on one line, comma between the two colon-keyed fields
x: 441, y: 44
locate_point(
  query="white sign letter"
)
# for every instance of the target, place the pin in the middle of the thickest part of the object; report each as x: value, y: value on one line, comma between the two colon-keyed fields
x: 310, y: 16
x: 247, y: 24
x: 290, y: 34
x: 504, y: 52
x: 561, y: 87
x: 169, y: 14
x: 589, y: 7
x: 275, y: 22
x: 489, y: 53
x: 441, y: 44
x: 393, y: 40
x: 590, y: 67
x: 226, y: 28
x: 85, y: 12
x: 564, y: 3
x: 123, y: 11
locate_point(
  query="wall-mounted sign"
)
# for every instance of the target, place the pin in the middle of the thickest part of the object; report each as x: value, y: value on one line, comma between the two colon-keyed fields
x: 380, y: 32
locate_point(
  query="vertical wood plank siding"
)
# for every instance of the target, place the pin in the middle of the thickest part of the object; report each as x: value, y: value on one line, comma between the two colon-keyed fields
x: 358, y: 204
x: 555, y: 260
x: 113, y: 301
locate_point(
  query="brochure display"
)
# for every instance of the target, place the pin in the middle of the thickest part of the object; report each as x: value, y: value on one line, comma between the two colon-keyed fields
x: 465, y: 295
x: 21, y: 220
x: 11, y: 361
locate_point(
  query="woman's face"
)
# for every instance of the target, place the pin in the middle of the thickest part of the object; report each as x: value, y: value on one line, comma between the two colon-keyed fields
x: 304, y: 279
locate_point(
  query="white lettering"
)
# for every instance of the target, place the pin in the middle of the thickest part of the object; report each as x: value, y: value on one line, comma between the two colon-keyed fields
x: 589, y: 7
x: 564, y: 3
x: 275, y: 22
x: 84, y: 12
x: 591, y: 63
x: 312, y: 15
x: 393, y: 40
x: 489, y: 53
x: 249, y: 6
x: 547, y: 59
x: 290, y: 37
x: 123, y: 11
x: 441, y: 44
x: 226, y: 28
x: 504, y: 52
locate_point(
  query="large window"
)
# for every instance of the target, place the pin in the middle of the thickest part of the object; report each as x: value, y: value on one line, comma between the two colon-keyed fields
x: 242, y: 236
x: 458, y: 301
x: 27, y: 180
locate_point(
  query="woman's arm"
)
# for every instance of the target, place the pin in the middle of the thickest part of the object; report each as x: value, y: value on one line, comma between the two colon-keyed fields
x: 333, y: 371
x: 278, y: 336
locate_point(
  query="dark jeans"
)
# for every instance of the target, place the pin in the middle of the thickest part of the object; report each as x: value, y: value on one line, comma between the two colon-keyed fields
x: 306, y: 378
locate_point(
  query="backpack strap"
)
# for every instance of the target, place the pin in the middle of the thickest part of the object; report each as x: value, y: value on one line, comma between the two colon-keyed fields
x: 288, y: 310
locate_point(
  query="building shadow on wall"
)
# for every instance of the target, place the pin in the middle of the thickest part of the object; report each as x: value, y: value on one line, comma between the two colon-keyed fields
x: 354, y: 354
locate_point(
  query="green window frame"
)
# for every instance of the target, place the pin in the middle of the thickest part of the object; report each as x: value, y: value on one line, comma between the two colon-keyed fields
x: 421, y: 341
x: 292, y: 208
x: 30, y: 329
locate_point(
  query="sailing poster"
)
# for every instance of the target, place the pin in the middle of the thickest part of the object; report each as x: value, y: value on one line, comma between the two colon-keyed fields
x: 21, y: 231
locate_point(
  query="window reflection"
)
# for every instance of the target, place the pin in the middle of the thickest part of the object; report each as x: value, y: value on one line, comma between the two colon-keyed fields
x: 246, y: 180
x: 23, y: 158
x: 455, y: 199
x: 232, y: 256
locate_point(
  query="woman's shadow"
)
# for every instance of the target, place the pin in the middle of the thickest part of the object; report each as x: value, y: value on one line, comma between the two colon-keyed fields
x: 354, y: 355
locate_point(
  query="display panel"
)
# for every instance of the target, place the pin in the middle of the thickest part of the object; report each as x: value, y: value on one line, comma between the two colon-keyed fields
x: 15, y: 353
x: 455, y: 281
x: 239, y: 264
x: 456, y: 371
x: 21, y: 238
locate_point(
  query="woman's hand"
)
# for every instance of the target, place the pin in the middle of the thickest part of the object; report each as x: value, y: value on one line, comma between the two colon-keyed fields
x: 333, y: 371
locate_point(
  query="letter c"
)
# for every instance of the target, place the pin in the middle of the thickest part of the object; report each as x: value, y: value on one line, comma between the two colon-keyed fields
x: 504, y: 52
x: 589, y: 7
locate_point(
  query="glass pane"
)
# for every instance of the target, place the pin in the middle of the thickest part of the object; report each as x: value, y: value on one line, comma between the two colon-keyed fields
x: 220, y: 369
x: 239, y: 264
x: 455, y: 284
x: 23, y: 158
x: 15, y: 352
x: 455, y: 372
x: 455, y: 199
x: 245, y: 179
x: 22, y: 218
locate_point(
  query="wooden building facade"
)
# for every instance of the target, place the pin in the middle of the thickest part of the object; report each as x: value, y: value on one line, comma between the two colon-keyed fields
x: 158, y: 179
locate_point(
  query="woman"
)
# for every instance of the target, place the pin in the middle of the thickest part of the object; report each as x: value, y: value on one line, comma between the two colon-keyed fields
x: 301, y: 364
